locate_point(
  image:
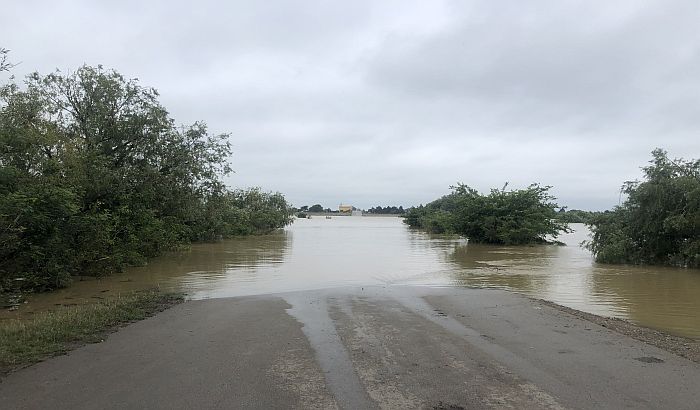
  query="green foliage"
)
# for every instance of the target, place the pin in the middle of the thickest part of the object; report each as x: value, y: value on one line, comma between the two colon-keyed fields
x: 95, y: 176
x: 659, y: 222
x: 513, y: 217
x: 575, y: 216
x: 391, y: 210
x: 316, y: 208
x: 5, y: 65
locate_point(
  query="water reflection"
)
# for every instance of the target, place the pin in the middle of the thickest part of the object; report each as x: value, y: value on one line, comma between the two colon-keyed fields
x: 360, y: 251
x: 663, y: 298
x: 209, y: 268
x: 199, y: 272
x: 658, y: 297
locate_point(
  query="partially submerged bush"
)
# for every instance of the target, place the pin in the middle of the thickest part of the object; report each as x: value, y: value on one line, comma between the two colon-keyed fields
x: 659, y: 222
x: 511, y: 217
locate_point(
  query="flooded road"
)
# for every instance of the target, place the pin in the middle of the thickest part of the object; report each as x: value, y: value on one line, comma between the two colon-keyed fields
x: 363, y: 251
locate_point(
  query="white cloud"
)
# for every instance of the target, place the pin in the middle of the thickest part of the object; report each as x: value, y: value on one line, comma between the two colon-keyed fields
x: 391, y: 102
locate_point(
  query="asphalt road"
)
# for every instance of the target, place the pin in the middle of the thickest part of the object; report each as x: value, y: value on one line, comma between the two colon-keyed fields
x: 395, y: 348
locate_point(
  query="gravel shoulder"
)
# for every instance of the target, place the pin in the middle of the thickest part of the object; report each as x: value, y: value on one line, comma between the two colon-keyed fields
x: 680, y: 346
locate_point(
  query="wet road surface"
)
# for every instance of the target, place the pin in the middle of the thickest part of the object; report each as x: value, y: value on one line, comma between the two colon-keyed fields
x: 374, y: 347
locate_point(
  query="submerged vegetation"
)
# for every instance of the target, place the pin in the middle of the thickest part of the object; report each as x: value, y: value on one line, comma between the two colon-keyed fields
x: 95, y: 176
x: 510, y: 217
x: 24, y: 342
x: 659, y: 222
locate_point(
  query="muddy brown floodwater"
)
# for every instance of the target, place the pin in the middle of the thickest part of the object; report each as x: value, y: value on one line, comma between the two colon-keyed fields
x: 362, y: 251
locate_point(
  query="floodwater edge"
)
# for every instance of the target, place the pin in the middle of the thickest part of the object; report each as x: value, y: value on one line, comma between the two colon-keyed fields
x: 58, y: 332
x: 680, y: 346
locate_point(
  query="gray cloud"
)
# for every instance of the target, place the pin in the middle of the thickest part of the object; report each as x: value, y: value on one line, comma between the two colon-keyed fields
x: 391, y: 103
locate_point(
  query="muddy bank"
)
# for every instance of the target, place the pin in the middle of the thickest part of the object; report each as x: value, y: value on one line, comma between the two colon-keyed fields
x: 681, y: 346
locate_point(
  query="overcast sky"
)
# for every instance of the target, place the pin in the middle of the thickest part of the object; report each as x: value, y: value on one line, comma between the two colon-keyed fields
x: 391, y: 102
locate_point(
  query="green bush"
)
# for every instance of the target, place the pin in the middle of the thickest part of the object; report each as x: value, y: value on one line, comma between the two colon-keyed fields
x: 511, y: 217
x: 659, y: 222
x: 575, y: 216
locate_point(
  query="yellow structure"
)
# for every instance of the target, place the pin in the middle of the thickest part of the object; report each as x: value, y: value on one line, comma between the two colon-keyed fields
x: 345, y: 209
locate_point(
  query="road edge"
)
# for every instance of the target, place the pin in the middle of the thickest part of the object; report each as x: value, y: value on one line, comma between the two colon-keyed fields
x: 684, y: 347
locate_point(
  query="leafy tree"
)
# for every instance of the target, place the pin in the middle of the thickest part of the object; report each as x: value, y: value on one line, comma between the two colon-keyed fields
x: 94, y: 176
x: 511, y: 217
x: 316, y: 208
x: 659, y: 222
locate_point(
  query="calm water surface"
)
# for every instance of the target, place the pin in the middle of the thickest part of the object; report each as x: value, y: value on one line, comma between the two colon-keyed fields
x: 319, y: 253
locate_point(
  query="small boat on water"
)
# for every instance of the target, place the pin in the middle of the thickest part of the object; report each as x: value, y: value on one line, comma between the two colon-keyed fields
x: 328, y: 217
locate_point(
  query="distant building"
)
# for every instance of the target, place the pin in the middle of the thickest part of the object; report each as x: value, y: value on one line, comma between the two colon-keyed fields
x: 345, y: 209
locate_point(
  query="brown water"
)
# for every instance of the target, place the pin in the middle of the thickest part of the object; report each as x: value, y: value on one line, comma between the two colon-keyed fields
x: 359, y: 251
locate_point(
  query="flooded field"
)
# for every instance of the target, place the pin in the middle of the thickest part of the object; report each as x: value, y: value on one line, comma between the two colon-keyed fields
x: 318, y: 253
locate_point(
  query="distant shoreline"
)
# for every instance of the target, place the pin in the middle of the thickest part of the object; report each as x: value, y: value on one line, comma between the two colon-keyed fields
x: 346, y: 214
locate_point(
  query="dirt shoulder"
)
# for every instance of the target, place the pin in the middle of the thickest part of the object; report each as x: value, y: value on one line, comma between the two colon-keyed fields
x: 391, y: 346
x: 24, y: 342
x: 680, y: 346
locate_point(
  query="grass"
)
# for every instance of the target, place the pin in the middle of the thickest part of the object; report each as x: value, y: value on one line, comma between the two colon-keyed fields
x: 23, y: 342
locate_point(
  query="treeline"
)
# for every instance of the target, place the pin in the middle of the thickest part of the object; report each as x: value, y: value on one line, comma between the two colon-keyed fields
x: 659, y: 222
x: 95, y: 176
x: 510, y: 217
x: 575, y: 216
x: 316, y: 208
x: 392, y: 210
